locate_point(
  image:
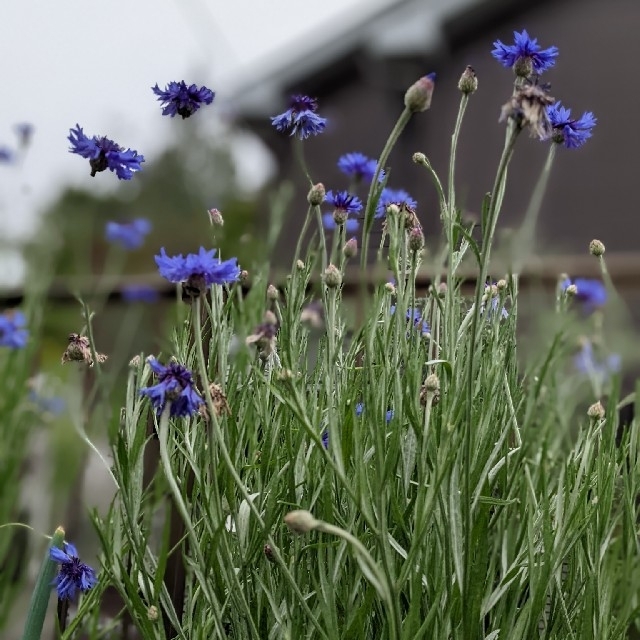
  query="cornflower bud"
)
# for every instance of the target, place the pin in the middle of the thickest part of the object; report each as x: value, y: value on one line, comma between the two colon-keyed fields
x: 468, y: 82
x: 418, y: 95
x: 316, y: 195
x: 596, y: 248
x: 332, y: 277
x: 350, y: 249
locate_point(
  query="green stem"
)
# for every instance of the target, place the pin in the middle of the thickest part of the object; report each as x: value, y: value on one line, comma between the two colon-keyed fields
x: 372, y: 571
x: 488, y: 231
x: 298, y: 151
x: 404, y: 118
x: 224, y: 452
x: 42, y: 591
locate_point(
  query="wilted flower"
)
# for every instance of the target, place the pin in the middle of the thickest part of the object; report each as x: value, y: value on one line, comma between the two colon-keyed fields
x: 359, y: 166
x: 73, y: 575
x: 571, y: 132
x: 180, y: 99
x: 104, y: 153
x: 129, y: 235
x: 12, y: 331
x: 527, y: 107
x: 524, y: 56
x: 175, y: 385
x: 393, y: 196
x: 79, y: 350
x: 300, y: 119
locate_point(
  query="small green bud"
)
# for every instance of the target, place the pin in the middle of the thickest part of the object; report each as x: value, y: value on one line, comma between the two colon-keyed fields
x: 316, y: 195
x: 596, y: 411
x: 468, y: 82
x: 350, y: 249
x: 596, y: 248
x: 300, y: 521
x: 332, y: 277
x: 418, y: 95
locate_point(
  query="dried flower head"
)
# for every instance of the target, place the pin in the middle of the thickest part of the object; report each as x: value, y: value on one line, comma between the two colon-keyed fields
x: 79, y: 350
x: 527, y: 107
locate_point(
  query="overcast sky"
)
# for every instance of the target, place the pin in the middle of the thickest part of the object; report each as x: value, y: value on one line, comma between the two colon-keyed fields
x: 93, y: 63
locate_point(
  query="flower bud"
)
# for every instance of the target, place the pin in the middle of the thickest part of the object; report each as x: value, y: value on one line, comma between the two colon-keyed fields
x: 571, y: 291
x: 272, y: 293
x: 416, y: 239
x: 300, y: 521
x: 332, y: 276
x: 418, y: 95
x: 300, y: 265
x: 340, y: 216
x: 134, y: 363
x: 432, y: 383
x: 468, y: 82
x: 419, y: 158
x: 244, y: 276
x: 596, y: 248
x: 596, y: 411
x: 390, y: 287
x: 215, y: 217
x: 442, y: 289
x: 316, y: 195
x: 350, y: 249
x: 152, y: 613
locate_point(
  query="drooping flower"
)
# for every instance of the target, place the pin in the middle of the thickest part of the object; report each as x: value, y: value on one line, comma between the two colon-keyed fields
x: 300, y: 119
x: 139, y: 293
x: 129, y: 235
x: 180, y: 99
x: 104, y: 153
x: 73, y: 574
x: 571, y: 132
x: 358, y: 166
x: 414, y: 315
x: 524, y: 56
x: 12, y: 331
x: 596, y: 364
x: 175, y: 385
x: 393, y: 196
x: 590, y: 292
x: 329, y: 223
x: 197, y: 271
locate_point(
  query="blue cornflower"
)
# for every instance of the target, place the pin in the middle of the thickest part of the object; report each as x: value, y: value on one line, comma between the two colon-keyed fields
x: 568, y: 131
x: 525, y: 56
x: 414, y: 315
x: 591, y: 293
x: 175, y: 385
x: 103, y: 153
x: 73, y: 575
x: 325, y: 438
x: 12, y: 331
x: 180, y: 99
x: 7, y: 156
x: 329, y: 223
x: 393, y: 196
x: 139, y: 293
x: 203, y: 264
x: 129, y: 235
x: 360, y: 410
x: 359, y: 166
x: 344, y: 201
x: 300, y: 119
x: 598, y: 365
x: 53, y: 405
